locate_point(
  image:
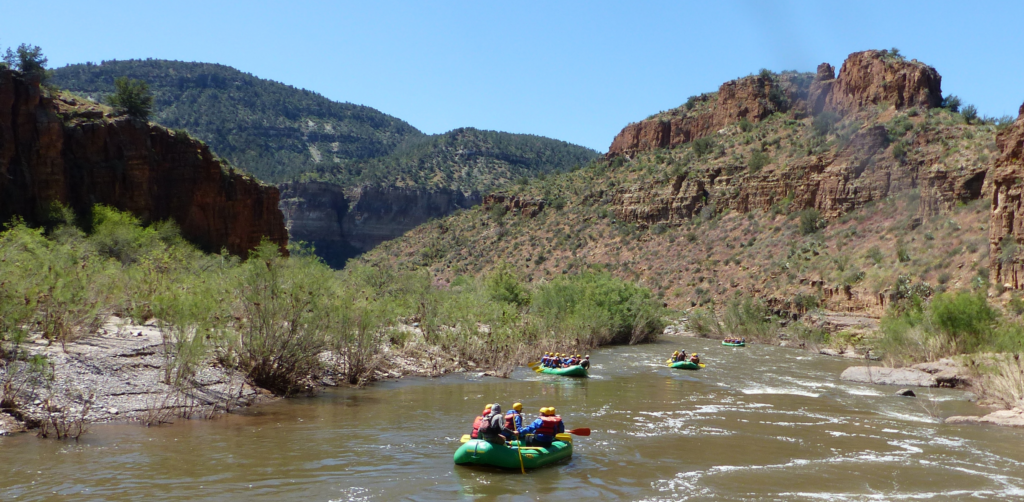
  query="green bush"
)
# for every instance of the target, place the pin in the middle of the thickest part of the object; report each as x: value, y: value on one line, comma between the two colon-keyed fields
x: 703, y: 146
x: 758, y: 159
x: 810, y: 221
x: 504, y: 285
x: 132, y: 97
x: 969, y: 113
x: 965, y: 319
x: 611, y: 310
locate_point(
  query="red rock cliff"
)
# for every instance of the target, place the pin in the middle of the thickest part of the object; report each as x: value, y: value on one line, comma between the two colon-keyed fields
x: 1006, y: 228
x: 62, y: 150
x: 866, y: 78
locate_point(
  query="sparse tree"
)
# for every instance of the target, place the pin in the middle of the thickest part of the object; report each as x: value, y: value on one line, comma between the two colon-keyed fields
x: 969, y: 113
x: 132, y: 97
x: 952, y: 103
x: 27, y: 58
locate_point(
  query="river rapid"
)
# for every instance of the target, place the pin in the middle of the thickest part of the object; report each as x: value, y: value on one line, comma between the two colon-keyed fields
x: 759, y: 423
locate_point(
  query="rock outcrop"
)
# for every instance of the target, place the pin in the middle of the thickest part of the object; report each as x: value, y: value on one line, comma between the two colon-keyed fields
x: 525, y: 206
x: 1006, y: 418
x: 904, y: 377
x: 1006, y: 229
x: 866, y: 78
x: 342, y: 224
x: 60, y: 150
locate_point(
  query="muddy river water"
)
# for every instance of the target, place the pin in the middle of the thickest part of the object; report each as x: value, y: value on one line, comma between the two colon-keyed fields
x: 759, y: 423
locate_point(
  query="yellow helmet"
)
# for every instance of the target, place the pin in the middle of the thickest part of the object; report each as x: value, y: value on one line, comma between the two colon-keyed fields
x: 577, y: 356
x: 517, y: 406
x: 551, y: 410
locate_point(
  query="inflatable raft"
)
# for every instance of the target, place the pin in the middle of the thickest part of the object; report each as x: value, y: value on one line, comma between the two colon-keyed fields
x: 573, y: 371
x: 731, y: 344
x: 684, y: 365
x: 480, y: 452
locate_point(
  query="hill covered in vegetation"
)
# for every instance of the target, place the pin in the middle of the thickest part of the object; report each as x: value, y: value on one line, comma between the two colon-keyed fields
x: 280, y: 133
x: 863, y: 212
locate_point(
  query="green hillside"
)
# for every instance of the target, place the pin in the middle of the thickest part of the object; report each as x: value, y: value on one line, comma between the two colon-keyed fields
x: 280, y: 133
x: 467, y: 159
x: 272, y: 130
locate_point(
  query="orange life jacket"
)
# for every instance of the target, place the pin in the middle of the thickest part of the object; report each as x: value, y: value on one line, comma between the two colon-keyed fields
x: 476, y: 427
x: 549, y: 425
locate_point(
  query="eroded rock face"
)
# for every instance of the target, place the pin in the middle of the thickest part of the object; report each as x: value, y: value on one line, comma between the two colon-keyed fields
x: 525, y: 206
x: 60, y: 150
x: 867, y: 78
x: 1006, y: 228
x: 873, y: 77
x: 343, y: 224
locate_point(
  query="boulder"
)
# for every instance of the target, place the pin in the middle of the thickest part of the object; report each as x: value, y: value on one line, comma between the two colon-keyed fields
x: 906, y: 393
x: 1006, y: 418
x: 906, y: 377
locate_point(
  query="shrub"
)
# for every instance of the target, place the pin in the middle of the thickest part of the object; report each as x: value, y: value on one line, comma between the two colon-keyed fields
x: 703, y: 146
x: 969, y: 113
x: 1007, y: 249
x: 810, y: 221
x: 899, y: 151
x: 745, y: 125
x: 749, y: 317
x: 503, y: 285
x: 965, y: 319
x: 132, y: 97
x: 286, y: 319
x: 951, y: 103
x: 758, y: 160
x: 610, y: 309
x: 704, y: 322
x: 497, y: 212
x: 824, y: 123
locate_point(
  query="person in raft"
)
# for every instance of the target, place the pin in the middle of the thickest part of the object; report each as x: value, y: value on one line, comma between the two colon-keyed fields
x: 479, y: 420
x: 585, y: 362
x: 513, y: 420
x: 695, y: 359
x: 542, y: 431
x: 493, y: 428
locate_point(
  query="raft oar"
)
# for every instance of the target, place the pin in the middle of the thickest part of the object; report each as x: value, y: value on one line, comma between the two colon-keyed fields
x: 582, y: 431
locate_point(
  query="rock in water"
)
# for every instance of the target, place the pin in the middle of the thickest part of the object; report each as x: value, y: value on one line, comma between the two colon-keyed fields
x: 889, y: 376
x: 906, y: 393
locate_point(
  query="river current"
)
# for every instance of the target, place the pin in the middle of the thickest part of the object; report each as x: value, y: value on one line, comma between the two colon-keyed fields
x: 759, y: 423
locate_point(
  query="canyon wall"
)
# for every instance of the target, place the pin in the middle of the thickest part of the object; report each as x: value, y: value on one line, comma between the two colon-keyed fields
x: 1006, y: 228
x: 866, y: 78
x: 56, y: 149
x: 344, y: 223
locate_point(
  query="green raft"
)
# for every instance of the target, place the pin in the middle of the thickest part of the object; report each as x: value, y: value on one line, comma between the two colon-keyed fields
x: 731, y: 344
x: 684, y: 365
x: 480, y: 452
x: 573, y: 371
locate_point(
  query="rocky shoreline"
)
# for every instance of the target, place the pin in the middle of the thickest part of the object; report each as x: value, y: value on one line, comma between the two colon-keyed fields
x: 946, y: 372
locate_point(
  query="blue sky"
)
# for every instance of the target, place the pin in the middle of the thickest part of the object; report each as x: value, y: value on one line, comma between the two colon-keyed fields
x: 577, y: 71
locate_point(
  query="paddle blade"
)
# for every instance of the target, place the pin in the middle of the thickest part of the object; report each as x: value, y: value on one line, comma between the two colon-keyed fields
x: 582, y: 431
x: 534, y: 364
x: 465, y: 438
x: 564, y: 437
x: 702, y: 365
x: 539, y: 369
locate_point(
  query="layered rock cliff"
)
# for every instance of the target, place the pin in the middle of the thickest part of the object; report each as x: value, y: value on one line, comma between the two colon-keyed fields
x: 1006, y: 229
x: 61, y: 150
x: 342, y: 224
x: 866, y: 78
x: 867, y: 166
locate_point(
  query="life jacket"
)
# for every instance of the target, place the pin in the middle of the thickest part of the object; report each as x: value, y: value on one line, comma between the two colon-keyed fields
x: 548, y: 426
x: 476, y: 427
x: 510, y: 420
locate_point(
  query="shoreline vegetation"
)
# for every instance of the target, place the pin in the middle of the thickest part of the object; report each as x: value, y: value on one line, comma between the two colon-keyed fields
x: 269, y: 324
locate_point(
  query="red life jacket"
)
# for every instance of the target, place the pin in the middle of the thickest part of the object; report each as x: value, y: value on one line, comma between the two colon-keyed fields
x: 510, y: 420
x: 476, y: 427
x: 549, y: 425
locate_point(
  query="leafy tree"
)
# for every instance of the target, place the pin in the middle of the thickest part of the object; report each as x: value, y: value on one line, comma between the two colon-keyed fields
x: 26, y: 58
x: 132, y: 97
x: 810, y: 221
x: 952, y: 103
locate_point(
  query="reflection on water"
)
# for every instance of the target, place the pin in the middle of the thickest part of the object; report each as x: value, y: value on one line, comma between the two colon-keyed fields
x: 758, y: 423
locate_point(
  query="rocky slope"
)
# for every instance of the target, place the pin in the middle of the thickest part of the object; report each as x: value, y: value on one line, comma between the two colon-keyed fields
x: 1006, y: 231
x: 727, y: 196
x: 58, y: 149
